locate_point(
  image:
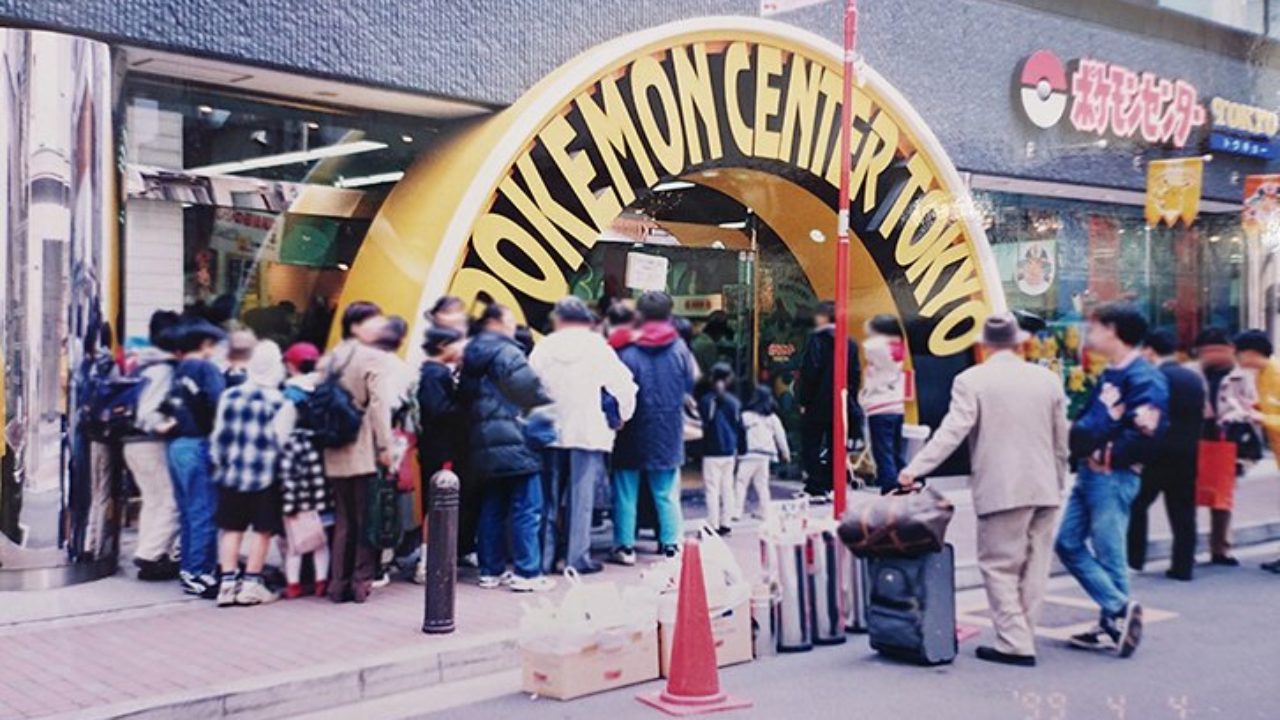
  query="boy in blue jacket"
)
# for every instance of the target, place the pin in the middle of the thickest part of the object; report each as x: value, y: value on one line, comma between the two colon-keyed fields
x: 1115, y: 434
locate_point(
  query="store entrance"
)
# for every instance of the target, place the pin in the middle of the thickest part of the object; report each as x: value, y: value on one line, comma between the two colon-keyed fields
x: 740, y: 293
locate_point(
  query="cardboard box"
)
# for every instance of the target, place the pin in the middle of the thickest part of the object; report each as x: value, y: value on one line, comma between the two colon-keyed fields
x: 615, y: 659
x: 730, y: 629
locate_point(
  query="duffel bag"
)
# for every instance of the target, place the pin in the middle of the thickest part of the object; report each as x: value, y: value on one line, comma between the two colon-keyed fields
x: 900, y: 524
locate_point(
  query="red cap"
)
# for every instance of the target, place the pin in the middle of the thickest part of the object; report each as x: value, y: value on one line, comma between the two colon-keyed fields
x: 301, y: 352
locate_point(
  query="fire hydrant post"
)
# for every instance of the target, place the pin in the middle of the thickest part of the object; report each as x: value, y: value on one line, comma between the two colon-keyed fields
x: 442, y: 552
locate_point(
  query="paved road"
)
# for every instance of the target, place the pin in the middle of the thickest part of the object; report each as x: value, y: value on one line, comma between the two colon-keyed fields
x: 1216, y: 655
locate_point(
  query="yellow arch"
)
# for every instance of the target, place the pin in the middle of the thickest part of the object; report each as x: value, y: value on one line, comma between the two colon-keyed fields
x: 417, y: 245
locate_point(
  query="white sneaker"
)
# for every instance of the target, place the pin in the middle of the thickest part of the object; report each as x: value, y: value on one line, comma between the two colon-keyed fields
x: 542, y: 583
x: 254, y: 593
x: 383, y: 581
x: 420, y: 572
x: 623, y: 556
x: 493, y: 582
x: 227, y: 592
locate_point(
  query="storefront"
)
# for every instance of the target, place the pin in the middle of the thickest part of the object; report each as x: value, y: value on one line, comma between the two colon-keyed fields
x: 697, y: 156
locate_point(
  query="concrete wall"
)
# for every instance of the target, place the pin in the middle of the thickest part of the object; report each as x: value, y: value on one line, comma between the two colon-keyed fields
x: 954, y: 59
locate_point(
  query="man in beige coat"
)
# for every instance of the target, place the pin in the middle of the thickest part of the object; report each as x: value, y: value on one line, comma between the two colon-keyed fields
x: 364, y: 372
x: 1013, y: 415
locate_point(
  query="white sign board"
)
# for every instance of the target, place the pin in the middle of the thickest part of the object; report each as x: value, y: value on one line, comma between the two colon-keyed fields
x: 646, y: 272
x: 776, y: 7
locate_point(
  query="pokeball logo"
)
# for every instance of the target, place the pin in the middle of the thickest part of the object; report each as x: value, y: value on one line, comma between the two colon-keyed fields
x: 1043, y: 88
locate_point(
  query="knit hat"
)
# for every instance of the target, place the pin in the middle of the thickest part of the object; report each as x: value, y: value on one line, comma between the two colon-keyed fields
x: 266, y: 365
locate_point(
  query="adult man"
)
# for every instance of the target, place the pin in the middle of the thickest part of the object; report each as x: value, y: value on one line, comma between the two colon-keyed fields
x: 1230, y: 413
x: 497, y: 387
x: 1013, y: 414
x: 1254, y: 352
x: 1172, y: 470
x: 1116, y: 433
x: 817, y: 382
x: 362, y: 370
x: 650, y: 446
x: 577, y: 366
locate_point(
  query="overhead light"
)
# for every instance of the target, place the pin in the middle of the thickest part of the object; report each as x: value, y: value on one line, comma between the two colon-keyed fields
x: 817, y: 236
x: 366, y: 180
x: 343, y: 266
x: 672, y: 185
x: 406, y: 138
x: 289, y: 158
x: 313, y: 126
x: 735, y: 225
x: 205, y: 109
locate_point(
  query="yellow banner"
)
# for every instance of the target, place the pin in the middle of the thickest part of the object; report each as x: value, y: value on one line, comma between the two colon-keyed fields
x: 1173, y: 190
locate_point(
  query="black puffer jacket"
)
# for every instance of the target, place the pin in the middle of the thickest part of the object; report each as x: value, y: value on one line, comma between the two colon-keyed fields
x: 497, y: 386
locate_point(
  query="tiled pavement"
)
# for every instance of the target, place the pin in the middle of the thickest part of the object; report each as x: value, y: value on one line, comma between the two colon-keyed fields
x: 118, y: 648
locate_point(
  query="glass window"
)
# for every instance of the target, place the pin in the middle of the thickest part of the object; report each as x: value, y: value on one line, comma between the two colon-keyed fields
x: 1245, y: 15
x: 215, y: 180
x: 1058, y: 258
x: 180, y: 127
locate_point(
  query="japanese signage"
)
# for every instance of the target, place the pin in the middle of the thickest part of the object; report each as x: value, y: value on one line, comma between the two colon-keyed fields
x: 1109, y: 99
x: 1242, y: 129
x: 1261, y: 215
x: 1173, y: 190
x: 646, y: 272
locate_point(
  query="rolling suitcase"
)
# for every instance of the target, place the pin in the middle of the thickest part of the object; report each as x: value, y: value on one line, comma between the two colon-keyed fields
x: 911, y: 613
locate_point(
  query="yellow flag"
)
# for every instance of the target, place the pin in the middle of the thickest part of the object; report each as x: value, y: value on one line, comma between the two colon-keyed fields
x: 1173, y: 190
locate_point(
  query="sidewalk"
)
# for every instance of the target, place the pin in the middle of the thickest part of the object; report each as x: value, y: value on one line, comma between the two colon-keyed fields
x: 121, y: 648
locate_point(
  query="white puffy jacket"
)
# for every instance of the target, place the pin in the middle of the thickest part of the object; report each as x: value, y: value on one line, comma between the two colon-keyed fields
x: 574, y: 364
x: 884, y: 382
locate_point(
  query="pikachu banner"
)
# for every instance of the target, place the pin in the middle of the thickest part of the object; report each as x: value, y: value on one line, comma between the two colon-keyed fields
x: 1173, y: 190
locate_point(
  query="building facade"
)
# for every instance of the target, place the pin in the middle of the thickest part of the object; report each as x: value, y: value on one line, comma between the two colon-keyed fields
x: 265, y: 163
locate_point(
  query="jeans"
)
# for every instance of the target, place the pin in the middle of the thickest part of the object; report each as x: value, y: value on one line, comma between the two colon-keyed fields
x: 197, y: 499
x: 518, y: 499
x: 888, y: 449
x: 626, y: 490
x: 1092, y: 539
x: 568, y: 493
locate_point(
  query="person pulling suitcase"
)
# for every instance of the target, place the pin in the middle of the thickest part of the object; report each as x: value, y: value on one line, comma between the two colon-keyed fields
x: 1013, y: 416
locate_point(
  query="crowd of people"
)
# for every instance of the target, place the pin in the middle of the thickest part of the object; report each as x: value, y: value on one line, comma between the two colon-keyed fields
x: 1137, y: 437
x: 237, y: 442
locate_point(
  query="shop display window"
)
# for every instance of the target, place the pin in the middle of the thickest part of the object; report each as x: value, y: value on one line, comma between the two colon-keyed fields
x: 1058, y: 258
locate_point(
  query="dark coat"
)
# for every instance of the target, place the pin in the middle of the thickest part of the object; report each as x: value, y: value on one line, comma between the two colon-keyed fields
x: 442, y: 424
x: 1186, y: 415
x: 663, y: 368
x: 1140, y: 385
x: 721, y: 423
x: 497, y: 386
x: 816, y: 384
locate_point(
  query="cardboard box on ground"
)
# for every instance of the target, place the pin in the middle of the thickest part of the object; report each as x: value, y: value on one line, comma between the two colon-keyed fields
x: 601, y: 638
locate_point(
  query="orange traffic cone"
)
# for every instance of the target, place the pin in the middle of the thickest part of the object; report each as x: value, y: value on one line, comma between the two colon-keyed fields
x: 693, y: 686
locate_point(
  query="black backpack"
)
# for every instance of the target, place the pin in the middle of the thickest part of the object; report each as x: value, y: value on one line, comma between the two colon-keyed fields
x: 331, y: 412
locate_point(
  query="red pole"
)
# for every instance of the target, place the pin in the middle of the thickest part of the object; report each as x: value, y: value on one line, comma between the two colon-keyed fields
x: 840, y: 431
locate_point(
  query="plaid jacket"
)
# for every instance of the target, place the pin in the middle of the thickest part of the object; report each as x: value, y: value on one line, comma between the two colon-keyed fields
x: 245, y: 446
x: 302, y: 479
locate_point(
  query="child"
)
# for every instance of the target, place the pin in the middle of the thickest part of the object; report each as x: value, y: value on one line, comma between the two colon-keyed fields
x: 766, y: 442
x: 882, y: 398
x: 240, y: 346
x: 302, y: 482
x: 254, y: 420
x: 190, y: 408
x: 721, y: 414
x: 441, y: 427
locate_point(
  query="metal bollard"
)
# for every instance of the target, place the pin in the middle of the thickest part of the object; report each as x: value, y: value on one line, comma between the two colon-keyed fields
x: 442, y: 552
